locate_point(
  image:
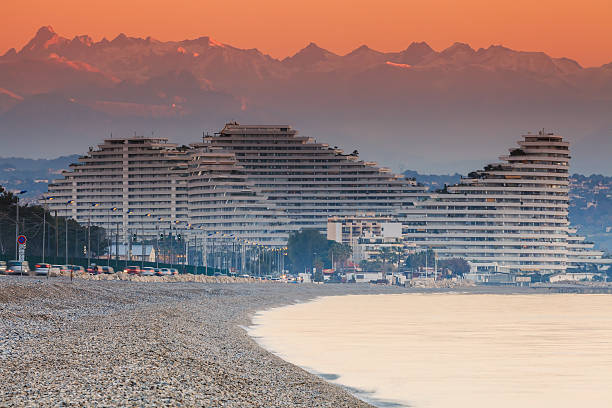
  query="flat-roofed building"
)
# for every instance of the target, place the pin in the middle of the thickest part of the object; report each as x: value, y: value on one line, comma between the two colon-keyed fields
x: 367, y: 234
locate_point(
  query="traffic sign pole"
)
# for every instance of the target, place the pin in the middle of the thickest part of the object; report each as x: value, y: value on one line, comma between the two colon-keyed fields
x: 21, y: 242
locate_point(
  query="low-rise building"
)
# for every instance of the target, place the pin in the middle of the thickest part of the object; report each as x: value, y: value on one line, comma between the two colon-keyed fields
x: 366, y: 233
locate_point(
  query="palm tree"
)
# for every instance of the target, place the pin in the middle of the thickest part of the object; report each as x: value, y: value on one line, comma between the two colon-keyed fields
x: 387, y: 254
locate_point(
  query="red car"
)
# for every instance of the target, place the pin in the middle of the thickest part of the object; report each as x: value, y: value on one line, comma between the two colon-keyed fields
x: 132, y: 270
x: 95, y: 269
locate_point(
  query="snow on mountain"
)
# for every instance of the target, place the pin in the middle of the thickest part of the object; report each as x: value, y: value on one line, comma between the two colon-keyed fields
x: 137, y: 59
x: 127, y: 82
x: 45, y: 40
x: 309, y: 57
x: 414, y: 54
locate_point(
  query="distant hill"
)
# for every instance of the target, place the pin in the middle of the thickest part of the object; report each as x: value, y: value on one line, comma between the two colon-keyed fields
x: 433, y: 181
x: 32, y: 175
x: 591, y: 208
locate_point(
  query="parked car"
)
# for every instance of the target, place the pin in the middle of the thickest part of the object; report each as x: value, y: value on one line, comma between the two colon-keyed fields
x: 76, y: 269
x: 18, y: 268
x: 174, y: 271
x: 63, y: 269
x: 132, y: 270
x: 147, y: 271
x: 3, y: 267
x: 44, y: 269
x: 164, y: 272
x: 95, y: 269
x: 108, y: 269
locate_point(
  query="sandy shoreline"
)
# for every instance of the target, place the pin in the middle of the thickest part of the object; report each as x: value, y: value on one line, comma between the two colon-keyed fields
x: 109, y: 343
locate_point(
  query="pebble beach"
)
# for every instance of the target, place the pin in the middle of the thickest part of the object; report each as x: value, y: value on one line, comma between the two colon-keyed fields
x: 124, y: 343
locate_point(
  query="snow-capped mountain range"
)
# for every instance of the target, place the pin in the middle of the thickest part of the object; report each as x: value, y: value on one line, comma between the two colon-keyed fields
x: 417, y: 106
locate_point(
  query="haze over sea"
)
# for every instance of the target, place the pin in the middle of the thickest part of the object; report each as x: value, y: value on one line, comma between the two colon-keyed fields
x: 452, y: 349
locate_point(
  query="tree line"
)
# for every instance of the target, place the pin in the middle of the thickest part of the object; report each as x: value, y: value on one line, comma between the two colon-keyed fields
x: 309, y: 249
x: 35, y: 223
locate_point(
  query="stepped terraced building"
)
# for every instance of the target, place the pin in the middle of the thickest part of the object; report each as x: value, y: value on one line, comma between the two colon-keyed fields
x: 311, y: 181
x: 257, y: 183
x: 511, y: 215
x: 222, y: 200
x: 132, y: 184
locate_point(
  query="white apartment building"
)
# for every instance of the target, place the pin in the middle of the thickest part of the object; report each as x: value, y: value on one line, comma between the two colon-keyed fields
x: 513, y: 213
x: 223, y: 201
x: 309, y: 180
x: 134, y: 185
x: 256, y: 183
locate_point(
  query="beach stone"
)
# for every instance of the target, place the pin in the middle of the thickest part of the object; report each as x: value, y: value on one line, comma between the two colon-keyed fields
x: 117, y: 340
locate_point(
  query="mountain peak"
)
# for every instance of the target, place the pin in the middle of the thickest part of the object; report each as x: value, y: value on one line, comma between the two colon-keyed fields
x: 312, y: 46
x: 45, y: 30
x: 496, y: 48
x: 414, y: 54
x: 10, y: 53
x: 44, y: 39
x: 364, y: 50
x: 204, y: 41
x: 458, y: 47
x: 121, y: 38
x: 361, y: 49
x: 420, y: 46
x: 308, y: 56
x: 82, y: 39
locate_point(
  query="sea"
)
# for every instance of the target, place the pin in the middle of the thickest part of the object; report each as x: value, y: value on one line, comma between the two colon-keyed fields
x: 452, y: 349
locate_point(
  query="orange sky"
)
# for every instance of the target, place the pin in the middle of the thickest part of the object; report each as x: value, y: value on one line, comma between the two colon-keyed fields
x: 581, y: 30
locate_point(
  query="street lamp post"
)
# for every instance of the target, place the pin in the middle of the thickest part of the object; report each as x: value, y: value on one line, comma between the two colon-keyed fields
x: 160, y: 219
x: 44, y: 242
x: 205, y: 257
x: 142, y: 248
x: 110, y: 242
x: 66, y: 240
x: 89, y: 235
x: 172, y: 246
x: 128, y: 254
x: 66, y: 227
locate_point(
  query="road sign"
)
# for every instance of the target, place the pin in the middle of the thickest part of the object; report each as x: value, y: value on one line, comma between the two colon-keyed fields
x: 21, y: 240
x: 22, y: 252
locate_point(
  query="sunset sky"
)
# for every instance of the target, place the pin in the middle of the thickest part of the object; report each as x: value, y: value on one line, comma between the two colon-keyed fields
x: 580, y: 30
